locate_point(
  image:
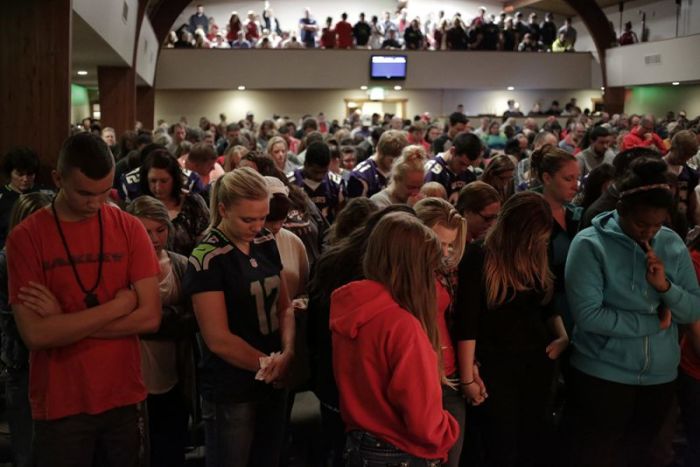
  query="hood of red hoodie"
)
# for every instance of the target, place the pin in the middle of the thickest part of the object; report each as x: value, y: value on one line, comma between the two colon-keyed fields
x: 356, y: 304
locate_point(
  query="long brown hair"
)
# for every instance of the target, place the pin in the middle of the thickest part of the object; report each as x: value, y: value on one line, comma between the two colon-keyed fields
x: 436, y: 211
x: 403, y: 255
x: 497, y: 167
x: 515, y: 249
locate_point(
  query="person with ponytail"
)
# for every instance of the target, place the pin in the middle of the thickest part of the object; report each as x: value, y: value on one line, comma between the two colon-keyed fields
x: 407, y: 174
x: 503, y: 319
x: 386, y: 351
x: 246, y: 324
x: 451, y: 230
x: 630, y: 282
x: 558, y: 172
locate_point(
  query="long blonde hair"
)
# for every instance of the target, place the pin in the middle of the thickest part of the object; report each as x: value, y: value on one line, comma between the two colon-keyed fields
x: 437, y: 211
x: 403, y: 255
x: 412, y: 159
x: 515, y: 249
x: 239, y: 184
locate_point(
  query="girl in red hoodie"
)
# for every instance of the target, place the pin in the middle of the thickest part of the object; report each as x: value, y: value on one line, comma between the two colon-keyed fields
x: 386, y: 347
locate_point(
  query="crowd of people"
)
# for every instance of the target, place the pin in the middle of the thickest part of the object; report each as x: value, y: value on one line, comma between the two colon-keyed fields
x: 388, y: 30
x: 502, y: 293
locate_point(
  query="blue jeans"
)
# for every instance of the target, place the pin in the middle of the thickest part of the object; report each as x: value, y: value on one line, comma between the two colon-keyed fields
x: 454, y: 403
x: 19, y: 416
x: 245, y: 433
x: 365, y: 450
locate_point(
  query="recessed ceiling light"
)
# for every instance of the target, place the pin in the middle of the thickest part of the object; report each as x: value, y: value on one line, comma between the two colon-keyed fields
x: 397, y: 88
x: 510, y: 88
x: 82, y: 72
x: 364, y: 88
x: 241, y: 88
x: 675, y: 83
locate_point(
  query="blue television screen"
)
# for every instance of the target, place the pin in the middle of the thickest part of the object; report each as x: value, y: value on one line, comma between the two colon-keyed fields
x: 387, y: 67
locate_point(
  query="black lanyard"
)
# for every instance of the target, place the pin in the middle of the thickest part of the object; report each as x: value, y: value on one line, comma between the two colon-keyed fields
x: 90, y: 296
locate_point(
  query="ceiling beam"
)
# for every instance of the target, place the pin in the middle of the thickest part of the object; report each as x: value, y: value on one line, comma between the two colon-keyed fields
x: 163, y: 14
x: 513, y: 5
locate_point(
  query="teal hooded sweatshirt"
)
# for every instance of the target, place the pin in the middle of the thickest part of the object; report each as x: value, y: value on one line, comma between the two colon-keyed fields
x: 616, y: 325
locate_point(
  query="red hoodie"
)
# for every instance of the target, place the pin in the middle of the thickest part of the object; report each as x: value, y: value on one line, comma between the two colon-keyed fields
x: 690, y: 361
x: 386, y: 371
x: 633, y: 140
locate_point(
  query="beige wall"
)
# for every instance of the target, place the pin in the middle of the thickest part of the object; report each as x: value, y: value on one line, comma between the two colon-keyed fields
x: 347, y: 69
x: 171, y: 105
x: 105, y: 18
x: 678, y: 62
x: 147, y: 53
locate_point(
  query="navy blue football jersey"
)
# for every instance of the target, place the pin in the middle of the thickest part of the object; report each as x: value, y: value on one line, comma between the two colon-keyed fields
x: 327, y: 195
x: 365, y: 180
x: 129, y: 187
x: 251, y: 286
x: 436, y: 170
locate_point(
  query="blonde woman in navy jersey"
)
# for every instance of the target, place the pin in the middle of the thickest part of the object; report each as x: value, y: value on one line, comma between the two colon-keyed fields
x: 246, y: 324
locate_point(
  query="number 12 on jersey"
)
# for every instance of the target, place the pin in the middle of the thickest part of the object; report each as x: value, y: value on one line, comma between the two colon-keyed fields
x: 265, y: 294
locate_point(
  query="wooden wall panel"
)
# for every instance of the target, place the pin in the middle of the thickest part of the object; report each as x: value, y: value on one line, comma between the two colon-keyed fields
x: 35, y: 77
x: 145, y: 106
x: 614, y: 100
x: 117, y: 86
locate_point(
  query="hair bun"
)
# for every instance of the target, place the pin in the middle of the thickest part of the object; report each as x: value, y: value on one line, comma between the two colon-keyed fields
x: 649, y: 170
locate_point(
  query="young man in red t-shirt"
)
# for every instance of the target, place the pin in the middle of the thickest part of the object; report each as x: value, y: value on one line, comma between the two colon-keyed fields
x: 343, y: 31
x: 83, y: 285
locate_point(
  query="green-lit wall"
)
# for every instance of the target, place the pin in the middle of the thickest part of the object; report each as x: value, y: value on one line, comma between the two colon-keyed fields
x: 660, y: 99
x: 80, y: 103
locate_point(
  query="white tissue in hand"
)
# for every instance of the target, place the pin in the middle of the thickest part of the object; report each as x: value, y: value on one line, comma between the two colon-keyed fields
x: 264, y: 363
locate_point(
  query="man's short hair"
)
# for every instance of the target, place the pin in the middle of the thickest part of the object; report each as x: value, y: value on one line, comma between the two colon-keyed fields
x: 318, y: 154
x: 309, y: 124
x: 457, y: 118
x: 599, y: 132
x: 313, y: 137
x: 391, y: 143
x: 201, y: 153
x: 233, y: 127
x: 468, y: 144
x: 87, y: 153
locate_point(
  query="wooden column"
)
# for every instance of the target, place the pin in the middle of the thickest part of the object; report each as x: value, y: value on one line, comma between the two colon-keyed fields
x: 145, y: 106
x: 117, y: 86
x: 614, y: 100
x: 35, y: 71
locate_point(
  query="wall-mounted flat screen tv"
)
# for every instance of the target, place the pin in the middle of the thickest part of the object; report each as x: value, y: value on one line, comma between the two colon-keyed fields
x: 387, y: 67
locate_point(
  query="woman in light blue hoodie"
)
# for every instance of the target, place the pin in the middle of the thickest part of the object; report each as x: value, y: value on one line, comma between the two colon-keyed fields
x: 629, y: 282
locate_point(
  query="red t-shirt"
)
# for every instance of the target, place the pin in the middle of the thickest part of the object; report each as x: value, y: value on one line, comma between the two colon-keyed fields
x: 343, y: 31
x: 690, y: 362
x: 92, y: 375
x: 448, y: 350
x: 251, y: 32
x: 328, y: 38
